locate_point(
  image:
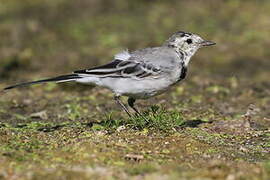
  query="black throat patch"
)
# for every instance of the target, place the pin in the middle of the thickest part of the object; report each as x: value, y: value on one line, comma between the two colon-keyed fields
x: 183, y: 72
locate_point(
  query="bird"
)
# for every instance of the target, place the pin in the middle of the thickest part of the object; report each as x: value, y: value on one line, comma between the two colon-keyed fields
x: 139, y: 74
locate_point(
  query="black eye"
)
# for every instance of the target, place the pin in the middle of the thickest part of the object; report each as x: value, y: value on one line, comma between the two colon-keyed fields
x: 189, y: 41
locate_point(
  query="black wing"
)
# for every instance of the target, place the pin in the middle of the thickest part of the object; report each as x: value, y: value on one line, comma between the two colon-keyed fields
x: 124, y: 69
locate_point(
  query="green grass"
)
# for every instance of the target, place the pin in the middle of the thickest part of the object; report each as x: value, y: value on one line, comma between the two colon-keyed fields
x: 156, y: 118
x: 195, y: 131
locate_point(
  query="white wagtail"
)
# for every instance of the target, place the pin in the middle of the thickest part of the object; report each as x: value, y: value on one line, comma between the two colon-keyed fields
x: 140, y: 74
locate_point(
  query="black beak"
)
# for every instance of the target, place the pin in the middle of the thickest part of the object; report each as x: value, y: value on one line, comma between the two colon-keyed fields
x: 207, y: 43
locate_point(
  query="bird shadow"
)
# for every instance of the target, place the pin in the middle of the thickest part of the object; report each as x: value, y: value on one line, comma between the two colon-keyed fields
x: 56, y: 127
x: 60, y: 126
x: 49, y: 127
x: 193, y: 123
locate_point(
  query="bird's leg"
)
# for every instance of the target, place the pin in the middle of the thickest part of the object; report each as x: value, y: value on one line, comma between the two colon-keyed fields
x: 118, y: 100
x: 131, y: 102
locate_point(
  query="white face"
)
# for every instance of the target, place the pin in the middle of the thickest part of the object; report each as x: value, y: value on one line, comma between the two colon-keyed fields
x: 187, y: 42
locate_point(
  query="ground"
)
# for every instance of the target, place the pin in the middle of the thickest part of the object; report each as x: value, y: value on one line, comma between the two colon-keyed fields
x: 213, y: 125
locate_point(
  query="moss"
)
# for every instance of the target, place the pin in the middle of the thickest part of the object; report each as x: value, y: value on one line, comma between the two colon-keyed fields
x: 194, y: 131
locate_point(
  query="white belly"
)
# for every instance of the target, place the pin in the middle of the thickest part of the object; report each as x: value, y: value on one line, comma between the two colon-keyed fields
x: 136, y: 88
x: 139, y: 89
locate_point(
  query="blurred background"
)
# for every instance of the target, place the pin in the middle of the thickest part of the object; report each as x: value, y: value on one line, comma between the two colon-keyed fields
x: 215, y: 124
x: 43, y: 38
x: 47, y: 37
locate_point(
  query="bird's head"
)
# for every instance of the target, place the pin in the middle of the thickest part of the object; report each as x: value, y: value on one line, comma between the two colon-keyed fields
x: 187, y: 43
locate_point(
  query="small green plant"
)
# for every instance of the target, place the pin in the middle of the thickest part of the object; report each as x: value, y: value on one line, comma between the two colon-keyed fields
x: 156, y: 118
x: 112, y: 122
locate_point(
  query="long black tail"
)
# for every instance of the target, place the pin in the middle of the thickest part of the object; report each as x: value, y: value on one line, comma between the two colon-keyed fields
x: 64, y: 78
